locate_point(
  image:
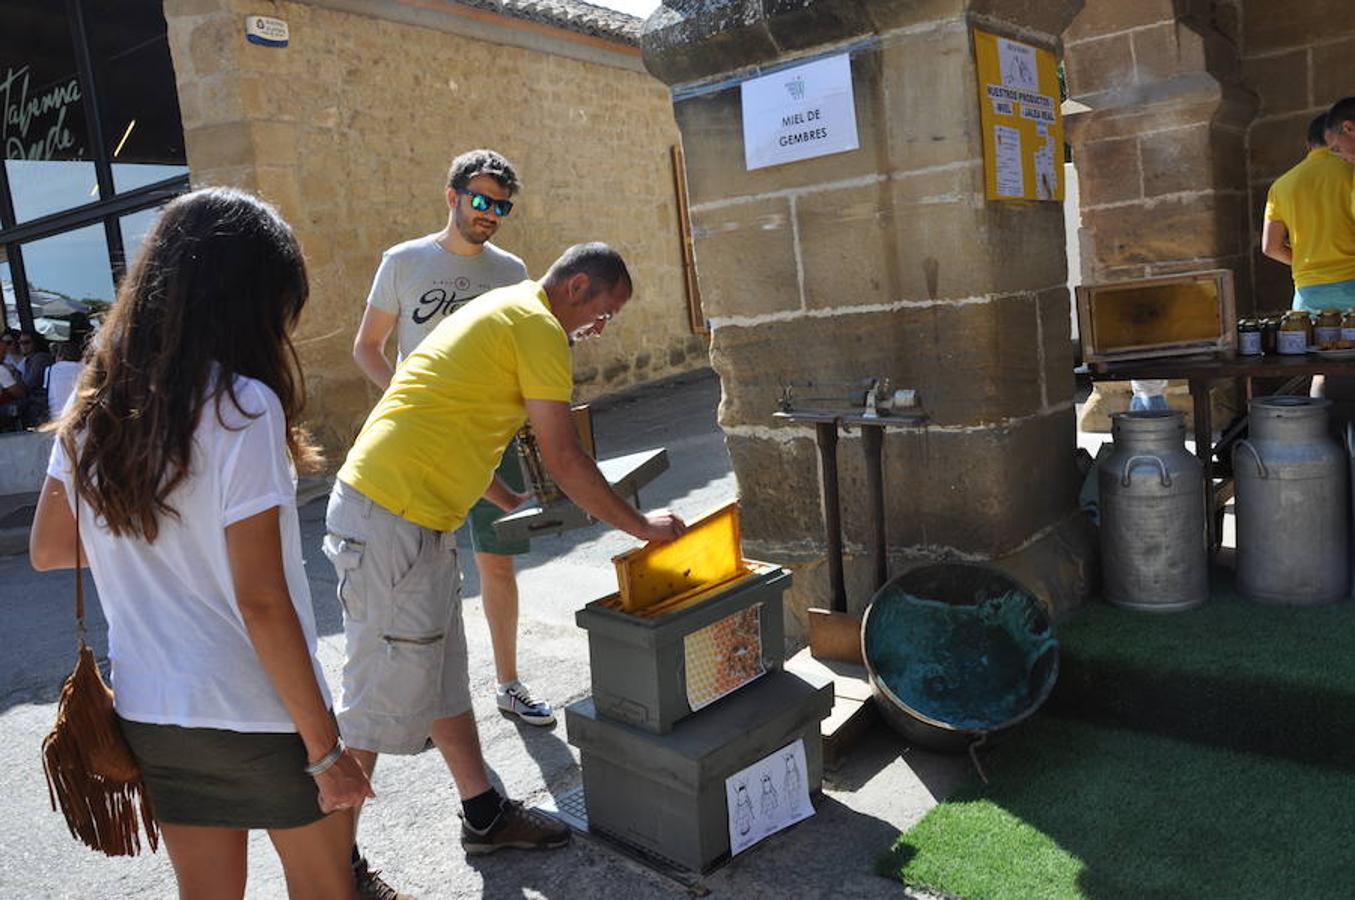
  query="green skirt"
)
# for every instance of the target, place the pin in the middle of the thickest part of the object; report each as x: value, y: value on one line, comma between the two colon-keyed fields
x: 215, y: 778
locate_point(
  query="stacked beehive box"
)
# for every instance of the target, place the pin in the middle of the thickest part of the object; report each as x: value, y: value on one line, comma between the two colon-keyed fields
x: 688, y: 689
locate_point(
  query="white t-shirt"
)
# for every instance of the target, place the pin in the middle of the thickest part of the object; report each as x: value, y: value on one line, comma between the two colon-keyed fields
x: 7, y: 379
x: 61, y: 379
x: 422, y: 284
x: 179, y: 649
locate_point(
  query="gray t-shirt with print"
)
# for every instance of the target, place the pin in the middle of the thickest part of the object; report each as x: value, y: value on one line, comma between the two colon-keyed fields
x: 422, y: 284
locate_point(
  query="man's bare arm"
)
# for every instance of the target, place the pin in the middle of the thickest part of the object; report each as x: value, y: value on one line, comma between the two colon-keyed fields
x: 369, y: 346
x: 1275, y: 242
x: 577, y: 475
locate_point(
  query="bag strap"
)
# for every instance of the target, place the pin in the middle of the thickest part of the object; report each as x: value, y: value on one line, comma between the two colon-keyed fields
x: 79, y: 579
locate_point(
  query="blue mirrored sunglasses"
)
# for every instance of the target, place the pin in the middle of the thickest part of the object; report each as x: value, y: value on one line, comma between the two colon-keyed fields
x: 483, y: 202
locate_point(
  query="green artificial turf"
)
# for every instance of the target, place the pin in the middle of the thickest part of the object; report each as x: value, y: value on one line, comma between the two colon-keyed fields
x: 1075, y: 810
x: 1273, y: 680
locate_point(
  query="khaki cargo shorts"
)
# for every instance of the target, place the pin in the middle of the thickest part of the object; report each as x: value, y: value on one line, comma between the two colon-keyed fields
x: 400, y: 588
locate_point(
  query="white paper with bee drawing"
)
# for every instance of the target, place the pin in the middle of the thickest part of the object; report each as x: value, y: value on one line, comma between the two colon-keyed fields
x: 768, y: 796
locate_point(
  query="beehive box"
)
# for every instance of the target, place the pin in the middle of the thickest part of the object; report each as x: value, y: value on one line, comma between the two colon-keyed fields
x: 665, y: 795
x: 692, y: 622
x: 1150, y: 317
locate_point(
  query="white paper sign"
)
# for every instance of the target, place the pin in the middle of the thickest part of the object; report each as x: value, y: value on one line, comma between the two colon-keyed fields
x: 1018, y: 65
x: 1011, y: 171
x: 768, y: 796
x: 799, y: 113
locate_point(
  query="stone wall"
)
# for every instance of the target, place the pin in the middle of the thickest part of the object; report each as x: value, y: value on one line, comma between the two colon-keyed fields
x: 887, y: 261
x: 350, y: 129
x: 1298, y: 58
x: 1160, y: 152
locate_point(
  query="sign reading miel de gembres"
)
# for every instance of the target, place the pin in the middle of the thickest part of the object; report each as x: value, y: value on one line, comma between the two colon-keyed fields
x: 799, y: 113
x: 35, y: 126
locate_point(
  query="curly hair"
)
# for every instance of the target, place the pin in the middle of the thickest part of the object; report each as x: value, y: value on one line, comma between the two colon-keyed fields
x: 482, y: 162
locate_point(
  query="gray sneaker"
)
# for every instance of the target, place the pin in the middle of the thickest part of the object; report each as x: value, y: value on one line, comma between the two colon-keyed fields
x: 516, y: 826
x: 515, y: 701
x: 371, y: 886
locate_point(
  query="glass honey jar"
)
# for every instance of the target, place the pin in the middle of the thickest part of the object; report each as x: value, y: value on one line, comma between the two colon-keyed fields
x: 1295, y: 334
x: 1327, y: 328
x: 1348, y: 325
x: 1249, y: 337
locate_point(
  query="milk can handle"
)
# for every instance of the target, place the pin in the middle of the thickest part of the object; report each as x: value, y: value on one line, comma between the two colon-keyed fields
x: 1260, y: 466
x: 1124, y: 477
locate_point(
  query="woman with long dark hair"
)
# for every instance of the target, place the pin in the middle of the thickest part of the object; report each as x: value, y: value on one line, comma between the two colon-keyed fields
x: 180, y: 444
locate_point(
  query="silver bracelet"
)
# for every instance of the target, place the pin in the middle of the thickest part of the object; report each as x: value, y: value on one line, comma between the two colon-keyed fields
x: 326, y: 762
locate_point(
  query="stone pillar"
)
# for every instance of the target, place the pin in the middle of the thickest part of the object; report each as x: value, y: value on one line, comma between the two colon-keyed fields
x: 883, y: 261
x: 1160, y: 154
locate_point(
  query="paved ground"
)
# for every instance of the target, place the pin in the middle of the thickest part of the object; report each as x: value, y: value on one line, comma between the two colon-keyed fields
x: 411, y: 829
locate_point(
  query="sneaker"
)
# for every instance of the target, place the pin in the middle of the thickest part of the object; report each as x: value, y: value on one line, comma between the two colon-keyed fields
x: 516, y: 826
x: 371, y: 886
x: 515, y: 700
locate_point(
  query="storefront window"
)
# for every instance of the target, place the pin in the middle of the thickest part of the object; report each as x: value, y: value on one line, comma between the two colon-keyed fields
x: 48, y: 152
x: 138, y: 100
x: 68, y: 279
x: 10, y: 309
x: 134, y: 230
x: 92, y: 148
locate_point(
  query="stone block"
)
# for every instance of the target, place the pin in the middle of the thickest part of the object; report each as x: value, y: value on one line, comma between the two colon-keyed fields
x: 214, y: 45
x: 278, y: 185
x: 925, y: 236
x: 1277, y: 145
x: 1056, y: 341
x: 979, y: 492
x: 971, y: 363
x: 1166, y: 230
x: 1269, y: 25
x: 1031, y: 18
x: 1099, y: 18
x: 701, y: 40
x: 1167, y: 50
x: 1098, y: 66
x: 1333, y: 75
x: 184, y: 8
x: 796, y: 25
x: 1108, y: 171
x: 928, y: 98
x: 1194, y: 158
x: 712, y: 126
x: 1176, y: 104
x: 746, y: 259
x: 1279, y: 81
x: 780, y: 503
x: 221, y: 146
x: 890, y: 15
x: 275, y: 143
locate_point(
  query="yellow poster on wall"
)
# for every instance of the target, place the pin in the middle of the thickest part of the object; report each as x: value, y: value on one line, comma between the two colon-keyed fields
x: 1022, y: 124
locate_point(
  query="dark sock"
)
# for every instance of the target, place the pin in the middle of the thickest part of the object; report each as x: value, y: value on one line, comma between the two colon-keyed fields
x: 481, y: 810
x: 357, y: 857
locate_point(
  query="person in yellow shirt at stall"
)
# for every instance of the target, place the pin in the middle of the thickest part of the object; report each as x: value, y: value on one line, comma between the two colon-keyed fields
x: 426, y: 454
x: 1310, y: 225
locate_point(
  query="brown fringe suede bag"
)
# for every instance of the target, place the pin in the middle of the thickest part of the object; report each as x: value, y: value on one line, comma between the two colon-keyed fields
x: 90, y: 769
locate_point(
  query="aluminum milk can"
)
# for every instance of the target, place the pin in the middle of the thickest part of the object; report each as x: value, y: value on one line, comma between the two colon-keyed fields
x: 1153, y: 541
x: 1292, y: 538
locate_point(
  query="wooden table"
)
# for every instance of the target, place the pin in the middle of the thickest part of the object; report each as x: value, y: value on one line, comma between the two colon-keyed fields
x: 826, y: 424
x: 1199, y: 371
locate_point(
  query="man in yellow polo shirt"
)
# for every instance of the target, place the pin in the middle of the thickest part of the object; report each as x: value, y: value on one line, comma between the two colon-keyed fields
x: 427, y: 452
x: 1310, y: 225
